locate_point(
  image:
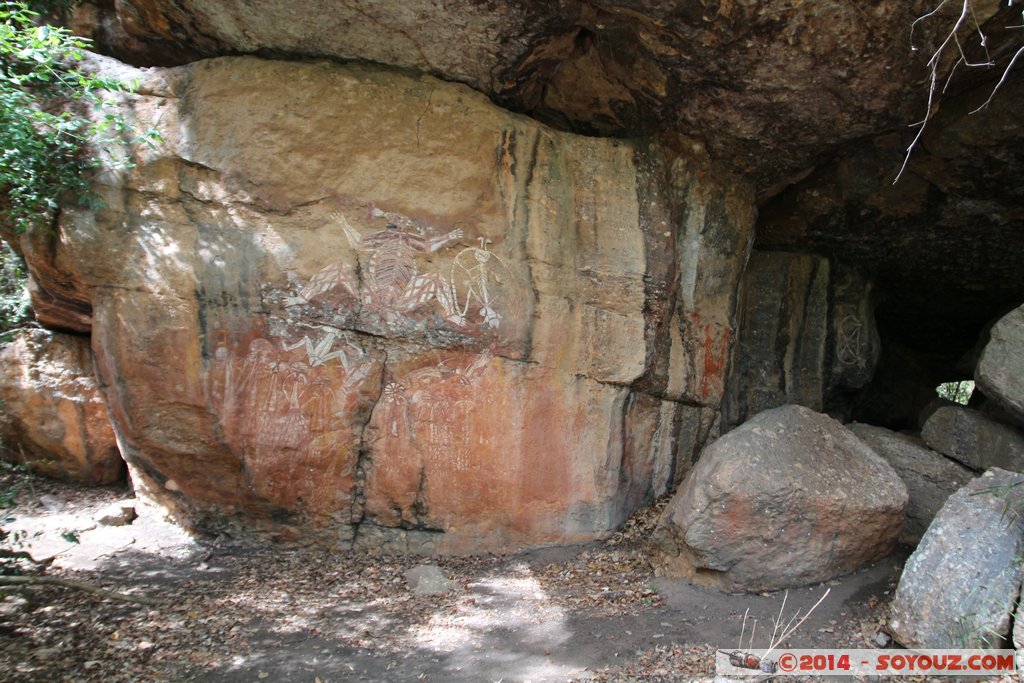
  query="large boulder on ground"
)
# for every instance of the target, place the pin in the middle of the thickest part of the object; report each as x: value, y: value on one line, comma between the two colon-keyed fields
x: 1000, y: 371
x: 974, y: 439
x: 353, y: 306
x: 53, y: 416
x: 789, y: 498
x: 930, y: 477
x: 960, y: 586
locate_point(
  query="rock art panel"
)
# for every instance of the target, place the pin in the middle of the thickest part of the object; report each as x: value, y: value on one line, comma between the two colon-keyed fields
x: 53, y: 417
x: 286, y: 408
x: 345, y: 305
x: 470, y: 444
x: 807, y: 336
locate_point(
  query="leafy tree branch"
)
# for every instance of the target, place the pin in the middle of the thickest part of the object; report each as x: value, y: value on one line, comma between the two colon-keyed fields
x: 49, y: 142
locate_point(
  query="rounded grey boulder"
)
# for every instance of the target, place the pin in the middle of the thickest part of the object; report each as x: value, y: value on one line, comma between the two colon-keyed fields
x: 789, y: 498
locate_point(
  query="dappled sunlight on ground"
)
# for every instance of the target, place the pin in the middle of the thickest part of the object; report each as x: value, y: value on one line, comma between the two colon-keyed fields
x: 246, y: 613
x: 61, y: 525
x: 504, y: 622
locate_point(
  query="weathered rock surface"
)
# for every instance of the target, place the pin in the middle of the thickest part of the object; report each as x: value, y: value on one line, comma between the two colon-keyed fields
x: 789, y: 498
x: 808, y: 101
x: 746, y: 78
x: 1018, y: 627
x: 959, y: 587
x: 1000, y: 371
x: 807, y: 336
x: 53, y: 416
x: 349, y: 305
x: 930, y: 477
x: 974, y: 439
x: 944, y: 242
x: 428, y: 579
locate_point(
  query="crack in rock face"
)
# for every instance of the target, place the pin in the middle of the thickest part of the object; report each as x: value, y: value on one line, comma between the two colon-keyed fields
x: 353, y: 305
x: 344, y: 305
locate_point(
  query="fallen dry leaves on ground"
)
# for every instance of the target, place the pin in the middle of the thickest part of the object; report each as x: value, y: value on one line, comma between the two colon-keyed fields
x: 224, y: 607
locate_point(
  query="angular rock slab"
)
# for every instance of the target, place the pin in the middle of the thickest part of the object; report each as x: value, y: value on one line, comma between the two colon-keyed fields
x: 345, y: 305
x: 1000, y: 370
x: 789, y: 498
x: 930, y: 477
x: 959, y: 587
x: 428, y: 579
x: 973, y: 438
x: 54, y: 416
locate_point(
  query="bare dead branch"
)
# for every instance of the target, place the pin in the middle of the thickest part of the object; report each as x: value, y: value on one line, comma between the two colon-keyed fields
x: 22, y: 555
x: 920, y: 19
x: 74, y: 585
x: 1006, y: 72
x: 921, y: 127
x: 950, y: 42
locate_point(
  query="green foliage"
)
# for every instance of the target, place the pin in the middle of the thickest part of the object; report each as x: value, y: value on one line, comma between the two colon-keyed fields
x: 958, y: 392
x: 1012, y: 496
x: 14, y: 300
x: 47, y: 142
x: 9, y: 486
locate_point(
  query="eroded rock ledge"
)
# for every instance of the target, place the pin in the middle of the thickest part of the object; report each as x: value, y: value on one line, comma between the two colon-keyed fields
x: 767, y: 87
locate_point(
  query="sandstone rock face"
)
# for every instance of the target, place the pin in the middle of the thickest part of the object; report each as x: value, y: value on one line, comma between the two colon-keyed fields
x: 1000, y: 371
x: 352, y: 306
x: 807, y: 336
x: 930, y: 477
x: 778, y: 91
x: 53, y: 416
x: 944, y: 242
x: 789, y: 498
x: 958, y: 588
x: 746, y: 77
x: 974, y: 439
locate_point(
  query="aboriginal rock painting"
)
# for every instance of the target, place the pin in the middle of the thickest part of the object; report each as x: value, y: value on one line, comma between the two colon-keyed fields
x: 287, y: 404
x: 292, y: 393
x: 437, y: 434
x: 434, y: 405
x: 477, y: 293
x: 711, y: 354
x: 849, y: 341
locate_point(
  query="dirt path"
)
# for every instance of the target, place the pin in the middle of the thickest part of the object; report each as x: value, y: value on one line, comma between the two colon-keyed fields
x: 232, y: 613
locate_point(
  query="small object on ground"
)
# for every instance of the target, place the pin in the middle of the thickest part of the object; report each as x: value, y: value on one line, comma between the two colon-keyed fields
x: 428, y: 579
x: 118, y: 514
x: 12, y: 605
x: 45, y: 653
x: 883, y: 639
x: 51, y: 503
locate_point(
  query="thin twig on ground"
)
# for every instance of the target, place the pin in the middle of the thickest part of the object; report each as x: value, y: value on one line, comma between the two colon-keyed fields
x: 75, y: 585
